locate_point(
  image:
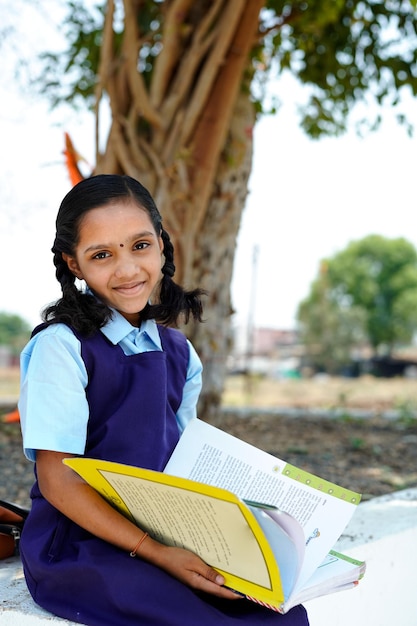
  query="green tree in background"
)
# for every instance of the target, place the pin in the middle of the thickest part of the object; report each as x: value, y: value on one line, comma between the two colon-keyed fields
x: 365, y: 294
x: 185, y: 81
x: 14, y: 332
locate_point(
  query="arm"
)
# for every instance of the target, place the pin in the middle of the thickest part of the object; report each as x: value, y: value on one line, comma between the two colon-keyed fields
x: 83, y: 505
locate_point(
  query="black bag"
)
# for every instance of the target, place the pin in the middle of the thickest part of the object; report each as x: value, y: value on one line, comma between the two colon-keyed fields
x: 12, y: 519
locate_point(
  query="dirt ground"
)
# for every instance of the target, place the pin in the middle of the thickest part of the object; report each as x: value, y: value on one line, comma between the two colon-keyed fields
x: 370, y: 447
x: 374, y: 454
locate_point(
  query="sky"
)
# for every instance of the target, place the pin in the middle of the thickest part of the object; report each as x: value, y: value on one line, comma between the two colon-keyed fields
x: 307, y: 201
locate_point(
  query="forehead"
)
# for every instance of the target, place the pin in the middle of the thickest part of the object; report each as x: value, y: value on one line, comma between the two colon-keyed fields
x: 114, y: 217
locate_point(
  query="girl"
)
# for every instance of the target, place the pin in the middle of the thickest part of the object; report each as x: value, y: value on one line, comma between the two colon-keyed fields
x: 101, y: 378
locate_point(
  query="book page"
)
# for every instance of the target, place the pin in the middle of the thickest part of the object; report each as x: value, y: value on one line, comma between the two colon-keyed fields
x: 213, y: 528
x: 336, y: 572
x: 209, y: 455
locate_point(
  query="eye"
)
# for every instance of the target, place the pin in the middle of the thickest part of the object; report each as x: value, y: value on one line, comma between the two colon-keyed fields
x: 141, y: 245
x: 101, y: 255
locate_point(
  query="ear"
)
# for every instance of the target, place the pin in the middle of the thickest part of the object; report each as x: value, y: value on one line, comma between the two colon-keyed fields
x: 73, y: 266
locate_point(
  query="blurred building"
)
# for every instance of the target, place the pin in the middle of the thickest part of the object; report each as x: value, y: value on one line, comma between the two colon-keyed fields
x: 6, y: 357
x: 268, y: 351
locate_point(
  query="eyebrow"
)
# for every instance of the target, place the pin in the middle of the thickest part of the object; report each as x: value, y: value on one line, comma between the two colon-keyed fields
x: 101, y: 246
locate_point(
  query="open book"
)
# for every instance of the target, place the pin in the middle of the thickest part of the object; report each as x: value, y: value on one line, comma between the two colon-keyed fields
x: 267, y: 526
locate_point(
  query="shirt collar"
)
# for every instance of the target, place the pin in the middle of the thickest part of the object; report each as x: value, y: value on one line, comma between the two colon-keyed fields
x: 117, y: 328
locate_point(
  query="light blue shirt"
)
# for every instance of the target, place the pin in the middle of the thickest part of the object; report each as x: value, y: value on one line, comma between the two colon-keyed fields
x: 53, y: 405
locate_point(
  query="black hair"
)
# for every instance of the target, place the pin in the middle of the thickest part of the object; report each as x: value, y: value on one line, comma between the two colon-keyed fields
x: 84, y: 312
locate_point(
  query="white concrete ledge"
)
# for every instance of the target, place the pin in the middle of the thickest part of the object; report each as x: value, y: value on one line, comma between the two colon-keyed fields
x: 16, y: 605
x: 383, y: 532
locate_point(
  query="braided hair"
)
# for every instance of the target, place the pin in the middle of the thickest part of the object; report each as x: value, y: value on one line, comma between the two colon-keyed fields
x: 84, y: 312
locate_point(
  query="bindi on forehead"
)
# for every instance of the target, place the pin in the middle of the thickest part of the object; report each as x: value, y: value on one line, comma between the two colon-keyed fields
x: 122, y: 245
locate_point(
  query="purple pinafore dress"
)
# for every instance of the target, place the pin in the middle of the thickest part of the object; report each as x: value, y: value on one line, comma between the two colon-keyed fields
x: 71, y: 573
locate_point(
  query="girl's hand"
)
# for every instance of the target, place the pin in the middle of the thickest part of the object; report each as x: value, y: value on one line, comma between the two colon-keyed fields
x: 188, y: 568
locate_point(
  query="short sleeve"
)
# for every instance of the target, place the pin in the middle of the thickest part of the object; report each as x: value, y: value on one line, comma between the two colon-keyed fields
x: 192, y: 388
x: 53, y: 406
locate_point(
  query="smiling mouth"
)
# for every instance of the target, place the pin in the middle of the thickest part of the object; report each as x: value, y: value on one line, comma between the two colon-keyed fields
x: 130, y: 288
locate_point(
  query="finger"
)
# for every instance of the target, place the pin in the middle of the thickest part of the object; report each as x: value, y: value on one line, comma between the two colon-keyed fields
x: 202, y: 584
x: 211, y: 581
x: 214, y: 576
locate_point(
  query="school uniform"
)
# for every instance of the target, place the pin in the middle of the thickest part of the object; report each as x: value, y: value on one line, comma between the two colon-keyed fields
x: 129, y: 394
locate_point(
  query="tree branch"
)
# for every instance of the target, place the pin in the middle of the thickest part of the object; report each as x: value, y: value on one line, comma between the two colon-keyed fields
x: 105, y: 63
x: 123, y: 152
x: 186, y: 72
x: 171, y: 143
x: 171, y: 51
x: 211, y: 131
x: 225, y: 32
x: 136, y: 83
x: 108, y: 162
x: 129, y: 124
x: 162, y: 183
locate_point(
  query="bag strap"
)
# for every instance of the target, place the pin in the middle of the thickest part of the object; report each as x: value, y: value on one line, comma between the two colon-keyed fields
x: 12, y: 519
x: 11, y: 513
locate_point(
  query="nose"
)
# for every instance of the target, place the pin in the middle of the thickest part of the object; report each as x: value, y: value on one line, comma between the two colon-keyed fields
x: 126, y: 267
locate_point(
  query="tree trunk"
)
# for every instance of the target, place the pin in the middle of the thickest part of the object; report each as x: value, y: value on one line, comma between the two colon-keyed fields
x: 185, y: 131
x: 214, y: 256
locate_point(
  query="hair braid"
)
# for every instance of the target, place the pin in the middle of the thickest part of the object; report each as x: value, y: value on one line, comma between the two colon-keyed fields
x: 79, y: 310
x: 173, y: 299
x: 62, y: 272
x: 168, y: 268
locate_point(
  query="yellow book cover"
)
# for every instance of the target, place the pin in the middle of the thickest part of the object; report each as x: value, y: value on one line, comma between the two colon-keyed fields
x: 210, y: 521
